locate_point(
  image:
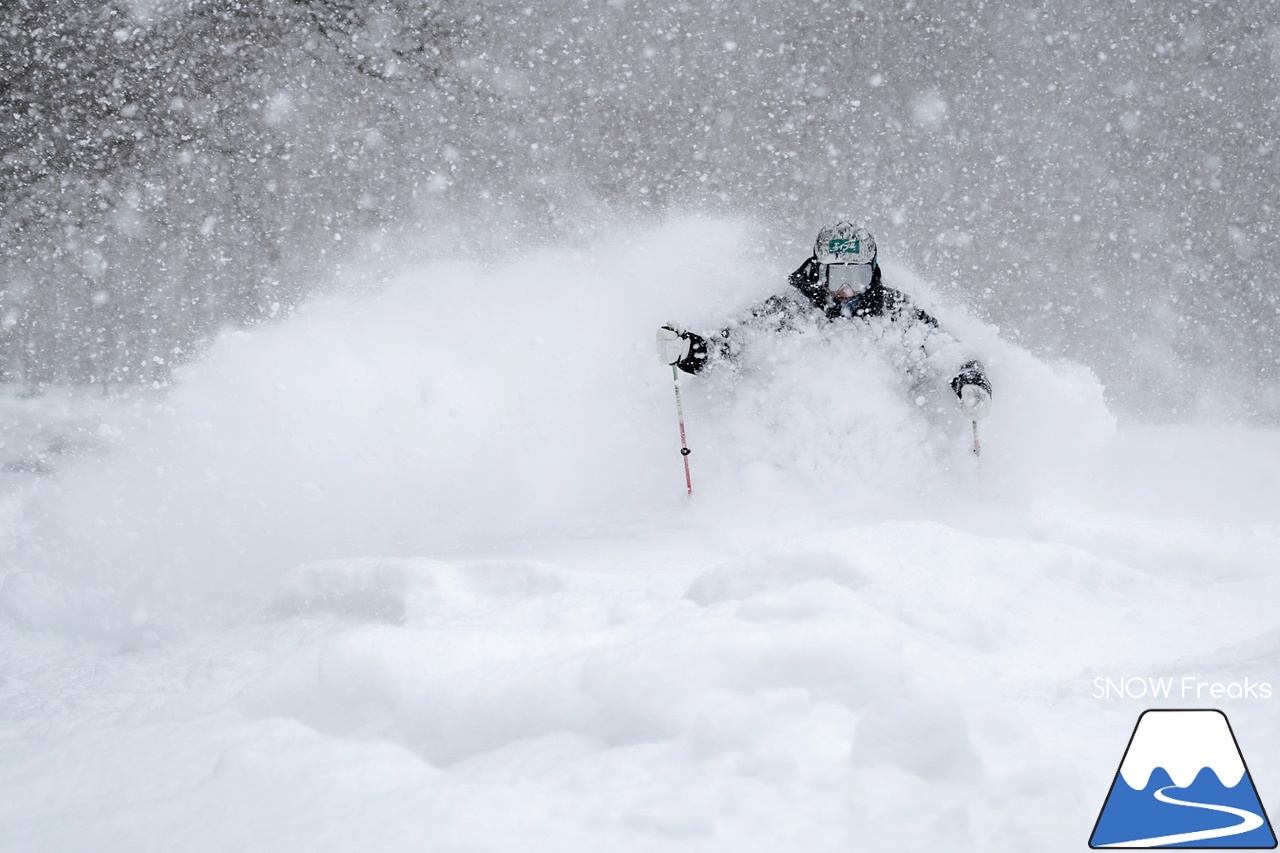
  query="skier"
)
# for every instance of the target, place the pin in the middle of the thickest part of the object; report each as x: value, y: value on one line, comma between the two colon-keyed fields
x: 841, y: 280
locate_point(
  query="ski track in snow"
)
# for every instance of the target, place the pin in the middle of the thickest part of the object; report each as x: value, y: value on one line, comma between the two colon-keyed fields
x: 1248, y: 822
x: 343, y: 590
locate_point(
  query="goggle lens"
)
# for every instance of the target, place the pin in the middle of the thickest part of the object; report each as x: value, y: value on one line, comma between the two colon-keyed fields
x: 846, y: 281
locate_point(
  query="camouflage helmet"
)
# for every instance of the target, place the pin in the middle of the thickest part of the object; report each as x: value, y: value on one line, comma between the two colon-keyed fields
x: 845, y: 243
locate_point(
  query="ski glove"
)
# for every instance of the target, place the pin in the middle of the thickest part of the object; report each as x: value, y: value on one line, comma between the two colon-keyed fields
x: 673, y: 343
x: 685, y: 350
x: 973, y: 389
x: 975, y: 402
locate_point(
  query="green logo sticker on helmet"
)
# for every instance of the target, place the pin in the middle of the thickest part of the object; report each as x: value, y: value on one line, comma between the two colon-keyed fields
x: 851, y: 246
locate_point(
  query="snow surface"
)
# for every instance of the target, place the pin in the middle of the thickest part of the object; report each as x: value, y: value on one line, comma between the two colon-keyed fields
x: 1183, y: 743
x: 414, y: 571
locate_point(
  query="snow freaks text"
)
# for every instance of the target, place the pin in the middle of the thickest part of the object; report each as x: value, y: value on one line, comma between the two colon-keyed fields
x: 1172, y: 687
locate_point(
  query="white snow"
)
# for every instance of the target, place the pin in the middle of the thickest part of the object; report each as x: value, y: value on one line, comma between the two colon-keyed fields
x: 1183, y: 743
x: 414, y: 571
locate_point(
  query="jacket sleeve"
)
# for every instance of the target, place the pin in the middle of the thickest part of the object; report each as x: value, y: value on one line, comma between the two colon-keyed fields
x: 774, y: 314
x: 805, y: 280
x: 942, y: 348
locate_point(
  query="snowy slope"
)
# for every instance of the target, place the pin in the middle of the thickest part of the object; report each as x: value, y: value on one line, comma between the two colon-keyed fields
x: 414, y: 571
x: 1178, y: 741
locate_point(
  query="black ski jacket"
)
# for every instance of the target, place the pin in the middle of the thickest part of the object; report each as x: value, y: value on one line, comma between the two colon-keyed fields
x: 780, y: 310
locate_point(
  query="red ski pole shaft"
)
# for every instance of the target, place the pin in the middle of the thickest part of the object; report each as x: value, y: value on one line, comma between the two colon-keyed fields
x: 684, y: 445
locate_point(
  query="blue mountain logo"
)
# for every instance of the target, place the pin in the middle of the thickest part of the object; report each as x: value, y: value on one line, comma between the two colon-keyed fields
x: 1183, y: 783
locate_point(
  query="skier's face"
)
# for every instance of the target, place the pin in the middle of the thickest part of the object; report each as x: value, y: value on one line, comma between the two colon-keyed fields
x: 846, y: 281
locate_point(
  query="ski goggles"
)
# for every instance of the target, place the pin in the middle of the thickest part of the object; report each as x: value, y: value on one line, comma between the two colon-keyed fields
x: 846, y: 281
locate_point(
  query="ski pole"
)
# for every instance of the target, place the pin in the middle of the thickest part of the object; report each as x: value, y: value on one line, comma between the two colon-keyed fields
x: 977, y: 448
x: 684, y: 445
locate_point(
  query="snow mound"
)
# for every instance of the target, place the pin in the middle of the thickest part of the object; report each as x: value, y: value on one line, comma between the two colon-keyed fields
x: 1183, y: 743
x: 400, y: 590
x: 741, y: 580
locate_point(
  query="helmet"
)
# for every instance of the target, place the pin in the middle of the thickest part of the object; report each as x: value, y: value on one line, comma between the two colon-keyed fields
x: 846, y: 255
x: 845, y: 243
